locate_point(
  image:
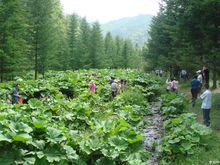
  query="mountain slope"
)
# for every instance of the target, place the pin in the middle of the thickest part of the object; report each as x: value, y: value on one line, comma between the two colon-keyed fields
x: 133, y: 28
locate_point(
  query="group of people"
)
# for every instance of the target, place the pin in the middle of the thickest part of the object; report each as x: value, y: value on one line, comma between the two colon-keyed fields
x: 117, y: 86
x: 201, y: 80
x: 159, y: 72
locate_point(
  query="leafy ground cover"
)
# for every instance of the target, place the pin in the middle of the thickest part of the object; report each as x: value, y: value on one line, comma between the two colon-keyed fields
x: 209, y: 152
x: 61, y: 122
x: 183, y: 134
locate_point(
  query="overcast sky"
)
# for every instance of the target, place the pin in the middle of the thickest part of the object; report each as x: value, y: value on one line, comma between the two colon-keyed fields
x: 107, y: 10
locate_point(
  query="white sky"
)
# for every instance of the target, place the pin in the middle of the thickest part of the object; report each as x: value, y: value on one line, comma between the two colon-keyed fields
x: 107, y: 10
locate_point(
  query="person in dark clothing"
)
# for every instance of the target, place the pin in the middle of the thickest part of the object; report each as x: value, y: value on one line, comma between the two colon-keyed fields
x: 15, y: 95
x: 205, y: 74
x: 195, y: 85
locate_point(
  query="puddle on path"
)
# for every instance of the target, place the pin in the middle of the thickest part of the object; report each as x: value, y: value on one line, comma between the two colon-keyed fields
x: 153, y: 133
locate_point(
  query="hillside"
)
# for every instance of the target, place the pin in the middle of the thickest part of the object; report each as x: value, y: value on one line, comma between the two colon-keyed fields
x: 134, y: 28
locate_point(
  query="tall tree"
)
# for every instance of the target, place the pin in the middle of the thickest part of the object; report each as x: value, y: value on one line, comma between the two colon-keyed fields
x: 83, y: 44
x: 73, y: 56
x: 58, y: 58
x: 119, y: 48
x: 110, y: 51
x: 42, y: 24
x: 13, y: 45
x: 126, y: 53
x: 96, y: 47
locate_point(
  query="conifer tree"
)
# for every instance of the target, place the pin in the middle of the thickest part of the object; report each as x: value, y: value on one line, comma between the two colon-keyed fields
x: 43, y: 32
x: 13, y: 45
x: 110, y: 51
x: 96, y: 47
x: 83, y: 44
x: 73, y: 56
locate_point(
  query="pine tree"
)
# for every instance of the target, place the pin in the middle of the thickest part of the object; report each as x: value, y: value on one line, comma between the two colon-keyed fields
x: 110, y: 51
x: 73, y: 57
x: 13, y: 45
x: 58, y: 60
x: 96, y: 47
x: 126, y: 53
x: 43, y: 32
x: 119, y: 48
x: 83, y: 44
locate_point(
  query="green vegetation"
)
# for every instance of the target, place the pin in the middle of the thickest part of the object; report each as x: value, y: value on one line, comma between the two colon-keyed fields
x: 61, y: 122
x: 183, y: 134
x: 208, y: 151
x: 36, y: 35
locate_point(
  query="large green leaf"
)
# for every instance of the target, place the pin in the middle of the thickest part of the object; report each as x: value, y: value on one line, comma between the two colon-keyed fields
x: 23, y: 137
x: 55, y: 135
x: 4, y: 138
x: 35, y: 103
x: 70, y: 152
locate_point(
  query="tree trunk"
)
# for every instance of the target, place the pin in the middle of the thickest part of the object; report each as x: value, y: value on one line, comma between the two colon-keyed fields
x: 214, y: 73
x: 36, y: 55
x: 1, y: 77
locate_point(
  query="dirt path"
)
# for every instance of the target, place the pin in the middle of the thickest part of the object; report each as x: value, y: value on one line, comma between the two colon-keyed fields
x: 153, y: 133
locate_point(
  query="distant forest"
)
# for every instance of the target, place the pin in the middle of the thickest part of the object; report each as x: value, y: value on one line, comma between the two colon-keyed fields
x: 37, y: 36
x: 134, y: 28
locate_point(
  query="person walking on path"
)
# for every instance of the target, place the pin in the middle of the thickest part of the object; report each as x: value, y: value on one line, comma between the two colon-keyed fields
x: 195, y: 85
x: 15, y: 95
x: 206, y: 105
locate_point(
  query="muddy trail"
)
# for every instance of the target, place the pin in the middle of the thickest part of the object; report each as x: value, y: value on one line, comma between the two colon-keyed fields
x: 153, y: 132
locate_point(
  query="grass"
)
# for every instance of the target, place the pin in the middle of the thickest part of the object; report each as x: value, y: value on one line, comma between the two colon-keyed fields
x: 209, y: 152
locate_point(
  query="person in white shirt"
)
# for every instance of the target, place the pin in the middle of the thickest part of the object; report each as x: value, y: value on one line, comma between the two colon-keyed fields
x: 206, y: 105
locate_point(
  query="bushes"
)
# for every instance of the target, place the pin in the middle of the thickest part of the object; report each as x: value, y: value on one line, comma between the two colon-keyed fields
x: 182, y: 131
x: 172, y: 105
x: 84, y: 129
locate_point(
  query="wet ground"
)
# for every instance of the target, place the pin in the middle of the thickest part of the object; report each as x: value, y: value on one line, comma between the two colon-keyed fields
x: 153, y: 133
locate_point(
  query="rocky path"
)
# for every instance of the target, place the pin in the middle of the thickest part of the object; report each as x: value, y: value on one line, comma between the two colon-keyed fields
x: 153, y: 133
